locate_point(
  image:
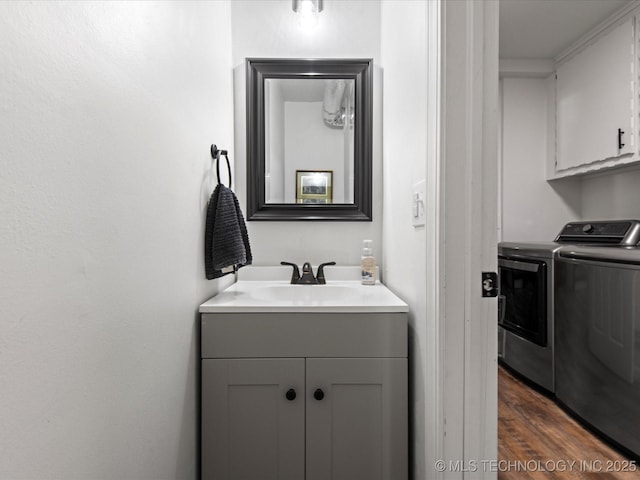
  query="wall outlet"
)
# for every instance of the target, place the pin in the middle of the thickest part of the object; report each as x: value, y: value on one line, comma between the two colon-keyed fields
x: 418, y: 207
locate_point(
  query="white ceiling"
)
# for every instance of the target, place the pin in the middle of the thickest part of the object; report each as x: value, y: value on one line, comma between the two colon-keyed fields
x: 544, y: 28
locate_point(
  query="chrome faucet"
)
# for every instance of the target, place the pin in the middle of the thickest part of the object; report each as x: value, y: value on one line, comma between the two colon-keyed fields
x: 307, y: 277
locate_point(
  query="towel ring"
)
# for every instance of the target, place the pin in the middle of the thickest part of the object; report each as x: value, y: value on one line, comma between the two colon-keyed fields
x: 215, y: 154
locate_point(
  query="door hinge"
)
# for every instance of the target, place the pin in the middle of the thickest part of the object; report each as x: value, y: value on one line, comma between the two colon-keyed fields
x: 489, y: 284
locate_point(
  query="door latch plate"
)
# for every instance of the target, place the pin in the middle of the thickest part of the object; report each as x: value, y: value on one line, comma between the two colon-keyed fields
x: 489, y: 284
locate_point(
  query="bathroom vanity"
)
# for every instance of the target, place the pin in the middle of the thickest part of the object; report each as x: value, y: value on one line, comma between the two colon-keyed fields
x: 304, y: 382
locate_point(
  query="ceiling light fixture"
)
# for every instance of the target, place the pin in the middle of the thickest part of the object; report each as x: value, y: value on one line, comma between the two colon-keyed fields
x: 307, y: 6
x: 308, y: 11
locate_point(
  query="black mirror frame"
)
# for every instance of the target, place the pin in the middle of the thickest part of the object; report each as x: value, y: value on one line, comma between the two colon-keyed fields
x: 361, y: 71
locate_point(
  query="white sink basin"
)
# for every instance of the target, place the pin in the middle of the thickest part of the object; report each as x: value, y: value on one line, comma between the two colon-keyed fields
x: 279, y: 295
x: 304, y: 293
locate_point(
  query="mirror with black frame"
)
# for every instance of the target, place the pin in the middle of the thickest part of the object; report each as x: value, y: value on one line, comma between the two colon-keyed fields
x: 309, y: 137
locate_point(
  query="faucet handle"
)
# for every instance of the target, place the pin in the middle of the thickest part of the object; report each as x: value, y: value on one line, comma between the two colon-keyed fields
x: 320, y: 275
x: 295, y: 276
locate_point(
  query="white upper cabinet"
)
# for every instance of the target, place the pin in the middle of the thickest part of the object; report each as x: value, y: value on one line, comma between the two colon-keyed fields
x: 595, y: 103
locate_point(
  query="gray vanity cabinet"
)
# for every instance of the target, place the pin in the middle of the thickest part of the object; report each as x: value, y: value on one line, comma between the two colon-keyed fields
x: 250, y: 430
x: 358, y: 429
x: 306, y: 407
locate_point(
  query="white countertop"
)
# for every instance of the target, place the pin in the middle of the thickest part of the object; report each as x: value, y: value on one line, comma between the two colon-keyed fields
x: 254, y: 292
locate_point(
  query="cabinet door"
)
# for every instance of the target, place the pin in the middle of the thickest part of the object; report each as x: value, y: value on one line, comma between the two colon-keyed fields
x: 595, y: 98
x: 250, y: 429
x: 357, y: 428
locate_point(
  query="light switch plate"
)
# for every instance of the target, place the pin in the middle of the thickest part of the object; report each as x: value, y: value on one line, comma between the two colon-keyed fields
x: 418, y: 206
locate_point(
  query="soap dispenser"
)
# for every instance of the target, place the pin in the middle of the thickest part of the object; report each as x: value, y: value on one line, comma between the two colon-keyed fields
x: 368, y: 264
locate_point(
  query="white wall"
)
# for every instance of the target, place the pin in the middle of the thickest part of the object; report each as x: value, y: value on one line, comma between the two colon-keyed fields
x: 108, y: 111
x: 532, y: 208
x: 611, y: 196
x: 404, y: 57
x: 274, y: 144
x: 347, y: 28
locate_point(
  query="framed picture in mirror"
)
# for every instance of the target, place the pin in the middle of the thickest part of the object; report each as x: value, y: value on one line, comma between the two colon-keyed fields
x: 314, y: 186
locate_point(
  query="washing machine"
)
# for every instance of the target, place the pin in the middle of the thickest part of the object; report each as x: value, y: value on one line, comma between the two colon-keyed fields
x: 597, y: 339
x: 528, y: 295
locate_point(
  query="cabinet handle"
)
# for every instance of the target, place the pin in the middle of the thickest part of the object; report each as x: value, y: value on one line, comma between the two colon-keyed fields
x: 620, y: 144
x: 291, y: 394
x: 318, y: 394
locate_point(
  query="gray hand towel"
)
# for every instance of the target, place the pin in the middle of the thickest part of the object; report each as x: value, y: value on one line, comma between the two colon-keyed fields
x: 226, y: 242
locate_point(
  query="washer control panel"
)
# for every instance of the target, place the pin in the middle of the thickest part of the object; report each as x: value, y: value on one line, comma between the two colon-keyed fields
x: 619, y: 232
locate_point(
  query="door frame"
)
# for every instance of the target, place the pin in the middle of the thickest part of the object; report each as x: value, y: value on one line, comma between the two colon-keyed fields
x: 464, y: 226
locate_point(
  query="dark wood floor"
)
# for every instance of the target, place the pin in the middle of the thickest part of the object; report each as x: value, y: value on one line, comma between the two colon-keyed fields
x: 536, y: 439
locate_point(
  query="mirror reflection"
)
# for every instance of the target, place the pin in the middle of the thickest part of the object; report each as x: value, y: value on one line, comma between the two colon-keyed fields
x: 309, y: 140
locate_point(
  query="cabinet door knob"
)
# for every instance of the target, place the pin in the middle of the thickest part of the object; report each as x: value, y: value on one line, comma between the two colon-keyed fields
x: 291, y: 394
x: 318, y: 394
